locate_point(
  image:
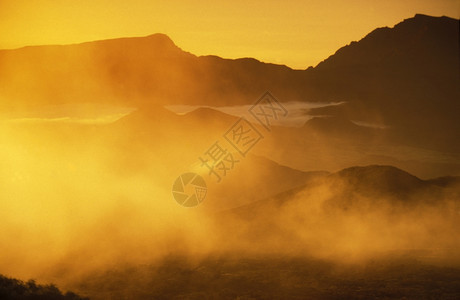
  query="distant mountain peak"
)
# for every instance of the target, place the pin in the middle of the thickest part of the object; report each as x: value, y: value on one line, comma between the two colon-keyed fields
x: 158, y: 41
x: 378, y: 178
x: 420, y: 21
x: 161, y: 38
x: 160, y: 35
x: 427, y: 17
x: 411, y: 35
x: 379, y: 170
x: 208, y: 113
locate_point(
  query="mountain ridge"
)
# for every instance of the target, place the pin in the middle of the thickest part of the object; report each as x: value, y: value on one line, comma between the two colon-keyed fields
x: 348, y: 187
x: 383, y: 77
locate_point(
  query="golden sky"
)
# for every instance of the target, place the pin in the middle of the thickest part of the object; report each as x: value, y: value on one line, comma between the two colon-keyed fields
x: 296, y: 33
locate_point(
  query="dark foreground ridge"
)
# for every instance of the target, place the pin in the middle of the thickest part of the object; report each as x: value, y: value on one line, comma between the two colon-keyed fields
x: 14, y: 289
x: 226, y: 278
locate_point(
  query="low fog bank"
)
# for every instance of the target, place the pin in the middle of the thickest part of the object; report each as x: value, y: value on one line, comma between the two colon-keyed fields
x: 80, y: 201
x: 335, y: 237
x: 352, y: 216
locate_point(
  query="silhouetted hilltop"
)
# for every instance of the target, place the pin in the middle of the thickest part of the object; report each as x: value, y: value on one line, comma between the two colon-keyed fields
x: 407, y: 77
x: 156, y: 121
x: 359, y: 187
x: 384, y: 176
x: 145, y: 116
x: 377, y: 182
x: 210, y: 116
x: 408, y: 42
x: 137, y: 71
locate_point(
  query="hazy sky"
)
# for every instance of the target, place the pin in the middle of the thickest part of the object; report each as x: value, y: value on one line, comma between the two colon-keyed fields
x: 296, y: 33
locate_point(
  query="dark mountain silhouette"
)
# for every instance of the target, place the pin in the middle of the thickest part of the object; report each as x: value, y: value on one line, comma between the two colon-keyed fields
x: 135, y: 71
x: 165, y: 128
x: 209, y: 115
x: 379, y: 179
x: 358, y: 187
x: 372, y: 186
x: 146, y: 117
x: 157, y: 114
x: 404, y: 77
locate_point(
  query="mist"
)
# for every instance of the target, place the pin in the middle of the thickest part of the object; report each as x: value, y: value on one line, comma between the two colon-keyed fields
x: 81, y: 199
x: 352, y: 189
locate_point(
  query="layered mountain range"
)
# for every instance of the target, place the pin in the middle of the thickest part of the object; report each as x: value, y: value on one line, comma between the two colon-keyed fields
x: 404, y: 78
